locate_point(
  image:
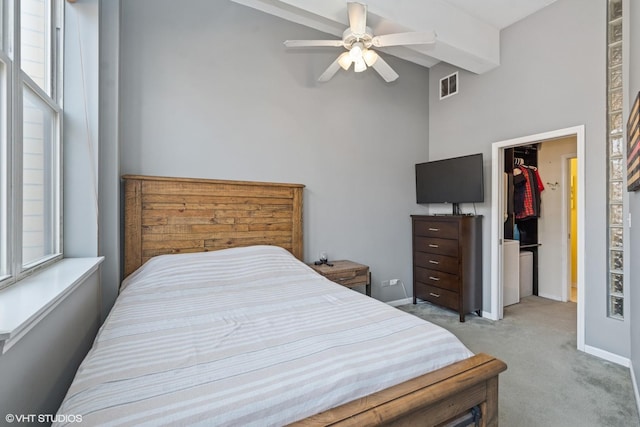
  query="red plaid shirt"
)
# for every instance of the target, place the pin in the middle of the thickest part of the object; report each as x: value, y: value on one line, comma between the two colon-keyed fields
x: 528, y: 209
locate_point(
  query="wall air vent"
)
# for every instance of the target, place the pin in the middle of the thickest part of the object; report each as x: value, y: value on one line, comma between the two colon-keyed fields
x: 449, y: 85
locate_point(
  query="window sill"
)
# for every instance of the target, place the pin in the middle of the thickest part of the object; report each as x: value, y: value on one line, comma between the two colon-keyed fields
x: 24, y: 304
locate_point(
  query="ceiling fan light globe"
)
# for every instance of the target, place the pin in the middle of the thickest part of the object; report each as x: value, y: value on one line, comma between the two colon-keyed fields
x: 359, y: 65
x: 356, y: 51
x: 345, y: 61
x: 370, y: 57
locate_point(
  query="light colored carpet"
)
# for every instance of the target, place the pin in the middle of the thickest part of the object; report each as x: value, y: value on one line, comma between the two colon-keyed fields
x: 547, y: 382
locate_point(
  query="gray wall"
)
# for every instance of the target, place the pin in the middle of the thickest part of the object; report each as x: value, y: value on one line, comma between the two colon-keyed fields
x: 552, y: 76
x: 633, y: 284
x: 109, y: 173
x: 208, y: 90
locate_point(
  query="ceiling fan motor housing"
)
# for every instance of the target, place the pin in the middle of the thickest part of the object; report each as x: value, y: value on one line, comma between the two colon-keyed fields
x: 349, y: 38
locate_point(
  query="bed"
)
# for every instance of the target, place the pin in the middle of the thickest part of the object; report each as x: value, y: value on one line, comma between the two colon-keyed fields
x: 227, y: 326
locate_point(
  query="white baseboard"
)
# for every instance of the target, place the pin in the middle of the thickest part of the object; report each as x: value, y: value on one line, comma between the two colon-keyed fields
x: 489, y: 315
x: 635, y: 387
x: 611, y: 357
x: 551, y: 297
x: 400, y: 302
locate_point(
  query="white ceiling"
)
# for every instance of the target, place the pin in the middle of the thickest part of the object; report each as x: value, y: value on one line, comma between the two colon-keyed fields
x: 468, y: 30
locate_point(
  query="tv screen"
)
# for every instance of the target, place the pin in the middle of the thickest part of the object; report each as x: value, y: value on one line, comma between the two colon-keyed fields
x: 454, y: 180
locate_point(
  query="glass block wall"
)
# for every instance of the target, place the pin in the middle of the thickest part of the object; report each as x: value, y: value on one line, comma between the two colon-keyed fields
x: 616, y: 163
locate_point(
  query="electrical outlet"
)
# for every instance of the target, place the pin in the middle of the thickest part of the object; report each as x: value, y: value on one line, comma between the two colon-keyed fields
x: 393, y: 282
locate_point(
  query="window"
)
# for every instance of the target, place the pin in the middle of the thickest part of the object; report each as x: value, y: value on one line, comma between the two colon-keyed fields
x: 30, y: 138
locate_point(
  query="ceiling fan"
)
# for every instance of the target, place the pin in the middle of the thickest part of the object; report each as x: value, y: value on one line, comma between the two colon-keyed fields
x: 358, y: 39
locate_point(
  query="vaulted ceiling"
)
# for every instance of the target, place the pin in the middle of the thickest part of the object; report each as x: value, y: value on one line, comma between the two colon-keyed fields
x: 468, y: 30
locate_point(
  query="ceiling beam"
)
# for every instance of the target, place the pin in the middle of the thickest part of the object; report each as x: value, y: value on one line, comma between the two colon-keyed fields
x: 463, y: 40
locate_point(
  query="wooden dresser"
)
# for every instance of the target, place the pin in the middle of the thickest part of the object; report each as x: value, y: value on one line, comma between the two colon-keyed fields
x: 447, y: 261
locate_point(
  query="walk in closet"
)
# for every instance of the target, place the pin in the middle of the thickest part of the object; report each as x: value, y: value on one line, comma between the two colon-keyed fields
x: 522, y: 210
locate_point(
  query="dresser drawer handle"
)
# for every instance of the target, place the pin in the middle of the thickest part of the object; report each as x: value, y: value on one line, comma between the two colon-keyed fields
x: 434, y: 229
x: 433, y: 262
x: 431, y: 245
x: 434, y: 295
x: 434, y: 278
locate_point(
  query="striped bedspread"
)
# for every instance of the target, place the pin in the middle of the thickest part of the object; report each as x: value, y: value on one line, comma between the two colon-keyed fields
x: 245, y: 336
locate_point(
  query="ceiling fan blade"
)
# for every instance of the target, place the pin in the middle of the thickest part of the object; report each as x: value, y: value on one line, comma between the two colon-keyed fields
x: 313, y: 43
x: 398, y: 39
x: 357, y: 17
x: 330, y: 72
x: 387, y: 73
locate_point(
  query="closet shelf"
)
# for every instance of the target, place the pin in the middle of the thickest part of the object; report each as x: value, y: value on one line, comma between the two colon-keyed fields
x: 532, y: 245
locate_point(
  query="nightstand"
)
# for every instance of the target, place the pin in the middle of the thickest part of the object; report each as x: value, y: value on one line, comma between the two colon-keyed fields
x: 346, y: 273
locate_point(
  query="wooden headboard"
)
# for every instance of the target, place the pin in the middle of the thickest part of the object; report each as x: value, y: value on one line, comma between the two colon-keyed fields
x: 178, y: 215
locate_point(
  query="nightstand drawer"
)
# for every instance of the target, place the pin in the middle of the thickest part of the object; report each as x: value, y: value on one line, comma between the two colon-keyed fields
x: 349, y: 277
x: 438, y: 262
x: 437, y: 295
x: 438, y: 278
x: 437, y: 246
x: 441, y: 229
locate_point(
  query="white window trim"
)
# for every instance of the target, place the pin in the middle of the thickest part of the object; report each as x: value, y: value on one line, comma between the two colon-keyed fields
x: 50, y: 285
x: 17, y: 80
x: 25, y: 304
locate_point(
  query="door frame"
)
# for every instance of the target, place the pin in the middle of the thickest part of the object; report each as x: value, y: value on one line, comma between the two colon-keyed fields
x: 497, y: 202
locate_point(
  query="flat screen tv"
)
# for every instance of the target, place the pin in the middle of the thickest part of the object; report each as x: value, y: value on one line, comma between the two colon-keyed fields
x: 455, y: 180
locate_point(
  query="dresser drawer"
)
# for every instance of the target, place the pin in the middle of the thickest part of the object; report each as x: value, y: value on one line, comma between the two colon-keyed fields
x: 438, y: 262
x: 437, y: 278
x: 441, y: 229
x: 437, y: 295
x: 437, y: 246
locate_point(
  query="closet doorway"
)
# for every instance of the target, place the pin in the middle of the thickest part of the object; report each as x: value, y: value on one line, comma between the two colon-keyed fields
x: 560, y: 219
x: 569, y: 186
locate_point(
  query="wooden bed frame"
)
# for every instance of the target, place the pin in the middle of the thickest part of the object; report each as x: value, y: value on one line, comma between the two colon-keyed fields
x: 177, y: 215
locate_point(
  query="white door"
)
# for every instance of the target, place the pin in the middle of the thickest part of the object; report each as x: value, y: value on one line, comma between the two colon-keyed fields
x: 511, y: 276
